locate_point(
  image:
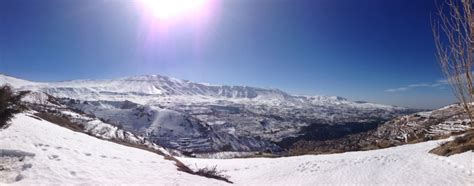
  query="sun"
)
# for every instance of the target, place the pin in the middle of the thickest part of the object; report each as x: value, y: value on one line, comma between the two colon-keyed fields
x: 170, y: 9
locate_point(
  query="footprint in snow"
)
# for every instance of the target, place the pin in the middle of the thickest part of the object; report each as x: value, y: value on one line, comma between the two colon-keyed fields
x: 19, y: 177
x: 54, y: 157
x: 26, y: 166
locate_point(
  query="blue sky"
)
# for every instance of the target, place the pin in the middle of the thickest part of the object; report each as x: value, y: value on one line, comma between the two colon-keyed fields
x: 373, y: 50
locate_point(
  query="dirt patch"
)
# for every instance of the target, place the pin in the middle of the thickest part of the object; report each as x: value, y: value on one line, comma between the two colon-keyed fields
x: 60, y: 120
x: 460, y: 144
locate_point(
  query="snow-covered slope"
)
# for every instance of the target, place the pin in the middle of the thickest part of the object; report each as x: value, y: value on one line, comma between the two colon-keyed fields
x: 425, y: 125
x: 413, y: 128
x: 403, y: 165
x: 36, y: 152
x: 204, y: 118
x: 15, y: 82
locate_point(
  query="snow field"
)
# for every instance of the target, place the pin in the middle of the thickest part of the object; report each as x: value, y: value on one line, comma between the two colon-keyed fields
x: 61, y: 156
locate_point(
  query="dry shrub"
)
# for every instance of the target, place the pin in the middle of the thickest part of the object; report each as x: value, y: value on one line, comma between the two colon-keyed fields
x: 460, y: 144
x: 10, y: 104
x: 212, y: 172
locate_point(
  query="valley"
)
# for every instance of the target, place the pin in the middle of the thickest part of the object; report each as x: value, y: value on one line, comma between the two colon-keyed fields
x: 199, y: 118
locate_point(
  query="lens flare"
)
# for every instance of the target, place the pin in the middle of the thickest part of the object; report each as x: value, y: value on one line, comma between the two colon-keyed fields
x: 170, y: 9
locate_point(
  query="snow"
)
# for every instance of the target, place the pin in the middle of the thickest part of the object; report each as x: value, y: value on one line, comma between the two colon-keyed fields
x: 447, y: 127
x: 224, y: 155
x: 463, y: 159
x: 195, y: 117
x: 14, y: 82
x: 56, y: 155
x: 403, y: 165
x: 148, y: 89
x: 425, y: 114
x: 37, y: 98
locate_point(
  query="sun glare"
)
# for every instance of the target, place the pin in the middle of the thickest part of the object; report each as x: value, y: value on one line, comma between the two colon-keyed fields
x: 169, y: 9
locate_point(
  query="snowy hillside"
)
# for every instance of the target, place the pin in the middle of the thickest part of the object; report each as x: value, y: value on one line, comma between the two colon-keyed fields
x: 199, y: 117
x: 15, y: 82
x: 403, y: 165
x: 414, y: 128
x: 36, y: 152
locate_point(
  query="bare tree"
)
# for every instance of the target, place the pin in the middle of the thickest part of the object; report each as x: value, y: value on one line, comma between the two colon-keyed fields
x: 454, y: 38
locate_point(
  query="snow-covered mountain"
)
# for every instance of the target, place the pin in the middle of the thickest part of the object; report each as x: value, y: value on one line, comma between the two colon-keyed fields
x: 137, y: 87
x: 199, y: 117
x: 149, y: 89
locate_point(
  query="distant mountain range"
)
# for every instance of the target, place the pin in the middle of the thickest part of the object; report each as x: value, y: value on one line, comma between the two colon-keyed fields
x: 197, y: 117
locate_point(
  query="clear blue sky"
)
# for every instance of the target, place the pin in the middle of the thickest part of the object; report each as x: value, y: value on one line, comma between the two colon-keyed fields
x: 374, y: 50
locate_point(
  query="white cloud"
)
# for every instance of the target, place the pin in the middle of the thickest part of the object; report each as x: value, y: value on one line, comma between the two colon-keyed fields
x: 438, y: 84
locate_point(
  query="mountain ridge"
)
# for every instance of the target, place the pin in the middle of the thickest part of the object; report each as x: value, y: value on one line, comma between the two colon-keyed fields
x: 160, y: 86
x: 188, y: 116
